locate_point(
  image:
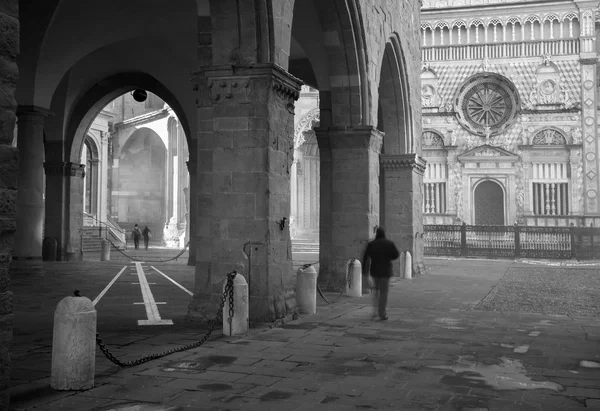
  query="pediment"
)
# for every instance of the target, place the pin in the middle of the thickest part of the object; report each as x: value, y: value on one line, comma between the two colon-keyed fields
x: 488, y: 153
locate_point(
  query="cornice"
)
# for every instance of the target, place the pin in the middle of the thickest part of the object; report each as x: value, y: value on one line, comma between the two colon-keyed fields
x: 403, y: 161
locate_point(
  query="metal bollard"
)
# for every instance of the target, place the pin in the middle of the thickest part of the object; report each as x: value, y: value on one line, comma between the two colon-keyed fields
x: 239, y: 321
x: 354, y: 280
x: 74, y: 345
x: 104, y: 250
x: 408, y: 265
x: 306, y: 290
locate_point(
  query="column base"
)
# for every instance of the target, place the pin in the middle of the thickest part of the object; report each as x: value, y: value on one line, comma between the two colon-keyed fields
x: 30, y: 266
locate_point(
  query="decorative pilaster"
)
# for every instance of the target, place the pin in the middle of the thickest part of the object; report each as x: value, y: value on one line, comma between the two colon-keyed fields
x: 64, y: 202
x: 590, y: 143
x: 349, y: 197
x: 245, y: 145
x: 403, y: 182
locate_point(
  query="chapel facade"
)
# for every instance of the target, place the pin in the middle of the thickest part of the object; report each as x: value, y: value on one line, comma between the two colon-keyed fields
x: 509, y: 96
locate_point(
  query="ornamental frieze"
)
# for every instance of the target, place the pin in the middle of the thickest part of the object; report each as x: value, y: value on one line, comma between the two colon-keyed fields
x: 404, y: 161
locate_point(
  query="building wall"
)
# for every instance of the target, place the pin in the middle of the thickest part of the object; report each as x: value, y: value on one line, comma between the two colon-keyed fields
x: 540, y: 158
x: 9, y: 48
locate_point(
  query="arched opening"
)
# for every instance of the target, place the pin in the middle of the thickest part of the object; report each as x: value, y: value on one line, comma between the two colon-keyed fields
x: 488, y: 201
x: 90, y: 158
x: 134, y: 154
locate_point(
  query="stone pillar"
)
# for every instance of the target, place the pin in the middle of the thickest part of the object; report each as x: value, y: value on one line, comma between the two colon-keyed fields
x: 245, y: 143
x: 191, y: 213
x: 30, y: 199
x: 403, y: 205
x: 9, y: 171
x: 64, y: 207
x: 349, y: 197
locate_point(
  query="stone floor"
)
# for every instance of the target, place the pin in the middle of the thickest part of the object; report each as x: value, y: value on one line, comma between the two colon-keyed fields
x: 437, y: 351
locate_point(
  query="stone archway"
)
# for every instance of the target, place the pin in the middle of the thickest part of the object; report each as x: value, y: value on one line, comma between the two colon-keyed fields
x: 401, y: 168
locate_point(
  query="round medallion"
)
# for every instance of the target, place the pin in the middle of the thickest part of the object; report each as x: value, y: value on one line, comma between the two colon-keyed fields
x: 592, y: 194
x: 589, y: 121
x: 548, y: 87
x: 588, y: 84
x: 590, y: 156
x: 487, y: 104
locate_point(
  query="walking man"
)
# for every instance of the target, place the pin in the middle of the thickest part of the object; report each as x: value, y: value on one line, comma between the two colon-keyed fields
x: 147, y: 234
x: 378, y: 261
x: 136, y: 234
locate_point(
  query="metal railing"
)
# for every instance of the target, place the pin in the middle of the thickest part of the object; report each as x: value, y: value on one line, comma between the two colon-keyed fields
x: 115, y: 233
x: 581, y: 243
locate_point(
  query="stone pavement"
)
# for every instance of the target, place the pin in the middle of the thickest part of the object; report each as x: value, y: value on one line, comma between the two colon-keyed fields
x: 436, y: 352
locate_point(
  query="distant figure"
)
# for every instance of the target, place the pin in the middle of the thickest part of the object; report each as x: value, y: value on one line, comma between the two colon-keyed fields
x: 136, y: 234
x: 378, y: 261
x: 147, y: 234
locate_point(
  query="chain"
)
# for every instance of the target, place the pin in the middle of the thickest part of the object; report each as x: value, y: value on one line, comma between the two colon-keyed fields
x: 212, y: 324
x: 149, y: 260
x: 349, y: 273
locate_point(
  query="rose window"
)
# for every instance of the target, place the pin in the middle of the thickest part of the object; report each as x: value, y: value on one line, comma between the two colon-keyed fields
x: 487, y: 104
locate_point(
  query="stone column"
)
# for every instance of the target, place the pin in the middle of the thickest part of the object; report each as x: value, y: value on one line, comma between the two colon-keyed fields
x: 191, y: 213
x: 244, y: 158
x: 30, y: 199
x: 64, y: 207
x: 403, y: 205
x: 349, y: 197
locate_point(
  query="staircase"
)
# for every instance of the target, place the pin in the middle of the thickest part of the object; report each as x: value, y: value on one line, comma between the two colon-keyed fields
x: 303, y: 245
x: 91, y: 241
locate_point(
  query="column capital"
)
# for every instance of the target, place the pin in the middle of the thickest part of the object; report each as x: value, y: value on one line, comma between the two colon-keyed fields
x: 337, y: 138
x: 410, y: 161
x: 33, y: 111
x: 64, y: 169
x: 229, y: 85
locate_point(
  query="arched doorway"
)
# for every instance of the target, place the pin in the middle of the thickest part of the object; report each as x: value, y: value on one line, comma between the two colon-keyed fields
x: 90, y: 157
x: 488, y: 199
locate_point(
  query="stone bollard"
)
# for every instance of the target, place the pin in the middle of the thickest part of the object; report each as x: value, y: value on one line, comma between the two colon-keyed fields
x: 306, y: 290
x: 239, y: 322
x: 354, y: 278
x: 408, y: 265
x: 104, y: 250
x: 74, y: 345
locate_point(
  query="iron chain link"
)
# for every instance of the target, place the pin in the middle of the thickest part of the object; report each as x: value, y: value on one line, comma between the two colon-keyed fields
x: 212, y: 324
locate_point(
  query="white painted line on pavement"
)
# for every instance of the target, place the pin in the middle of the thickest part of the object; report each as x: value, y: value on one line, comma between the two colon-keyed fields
x: 108, y: 286
x: 149, y: 303
x: 173, y: 281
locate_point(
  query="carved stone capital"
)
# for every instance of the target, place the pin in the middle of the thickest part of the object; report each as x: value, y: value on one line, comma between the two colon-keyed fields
x: 340, y: 138
x: 228, y: 85
x: 403, y: 161
x: 64, y: 169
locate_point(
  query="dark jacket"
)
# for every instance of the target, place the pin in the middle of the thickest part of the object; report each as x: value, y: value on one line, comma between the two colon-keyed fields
x: 379, y: 253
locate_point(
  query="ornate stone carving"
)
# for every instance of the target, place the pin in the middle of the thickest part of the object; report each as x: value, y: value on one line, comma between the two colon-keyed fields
x: 234, y: 89
x: 308, y: 122
x: 66, y: 169
x: 432, y: 139
x: 430, y: 96
x: 407, y: 161
x: 456, y: 182
x: 287, y: 94
x: 549, y: 137
x: 487, y: 104
x: 548, y: 91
